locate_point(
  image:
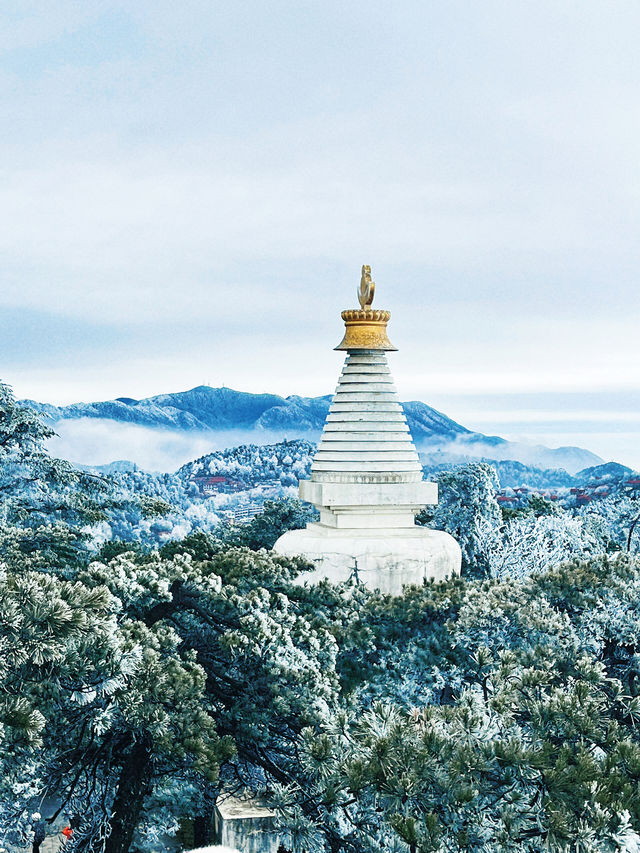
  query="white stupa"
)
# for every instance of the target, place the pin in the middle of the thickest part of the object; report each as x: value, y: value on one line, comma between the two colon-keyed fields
x: 366, y: 478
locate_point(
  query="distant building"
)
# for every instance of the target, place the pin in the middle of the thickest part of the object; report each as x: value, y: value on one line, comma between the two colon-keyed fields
x: 216, y: 485
x: 245, y: 512
x: 242, y: 513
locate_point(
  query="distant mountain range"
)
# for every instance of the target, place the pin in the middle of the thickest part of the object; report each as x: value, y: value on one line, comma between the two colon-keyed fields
x: 610, y: 472
x: 205, y: 408
x: 267, y: 417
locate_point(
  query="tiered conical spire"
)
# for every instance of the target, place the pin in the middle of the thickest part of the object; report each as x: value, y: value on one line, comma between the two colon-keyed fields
x: 366, y: 438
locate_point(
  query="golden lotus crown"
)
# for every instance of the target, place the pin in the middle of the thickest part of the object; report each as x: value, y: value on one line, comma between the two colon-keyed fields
x: 366, y: 328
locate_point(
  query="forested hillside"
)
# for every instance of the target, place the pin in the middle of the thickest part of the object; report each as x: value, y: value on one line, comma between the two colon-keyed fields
x: 251, y: 464
x: 157, y: 508
x: 496, y: 712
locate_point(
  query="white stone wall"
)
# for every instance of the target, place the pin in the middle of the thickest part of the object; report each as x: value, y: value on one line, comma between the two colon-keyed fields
x: 247, y: 825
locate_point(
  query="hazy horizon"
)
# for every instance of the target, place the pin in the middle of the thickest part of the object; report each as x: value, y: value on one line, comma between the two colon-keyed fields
x: 99, y: 441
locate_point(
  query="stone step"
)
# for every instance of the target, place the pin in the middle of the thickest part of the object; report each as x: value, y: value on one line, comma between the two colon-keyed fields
x: 375, y: 431
x: 379, y: 446
x: 371, y: 389
x: 364, y: 378
x: 366, y: 363
x: 365, y: 439
x: 365, y: 397
x: 378, y: 398
x: 371, y: 376
x: 359, y: 455
x: 331, y: 428
x: 365, y: 414
x: 381, y: 369
x: 389, y: 412
x: 367, y: 467
x: 377, y: 478
x: 338, y: 447
x: 373, y: 384
x: 367, y: 358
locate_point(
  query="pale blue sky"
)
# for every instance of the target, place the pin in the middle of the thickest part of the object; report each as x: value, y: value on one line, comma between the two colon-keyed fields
x: 188, y: 192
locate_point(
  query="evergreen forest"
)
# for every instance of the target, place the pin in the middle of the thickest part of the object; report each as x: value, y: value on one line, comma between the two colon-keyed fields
x: 155, y: 657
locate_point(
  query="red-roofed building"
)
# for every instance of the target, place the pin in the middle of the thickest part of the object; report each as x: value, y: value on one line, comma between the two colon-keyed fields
x: 211, y: 485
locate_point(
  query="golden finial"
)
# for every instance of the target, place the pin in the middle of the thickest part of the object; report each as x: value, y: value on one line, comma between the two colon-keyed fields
x: 366, y: 328
x: 367, y: 288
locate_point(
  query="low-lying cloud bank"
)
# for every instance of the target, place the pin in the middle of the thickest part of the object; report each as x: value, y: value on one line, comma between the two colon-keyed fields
x: 96, y: 441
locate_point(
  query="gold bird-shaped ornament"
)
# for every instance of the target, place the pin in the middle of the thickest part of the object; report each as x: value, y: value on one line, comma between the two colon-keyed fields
x: 367, y: 288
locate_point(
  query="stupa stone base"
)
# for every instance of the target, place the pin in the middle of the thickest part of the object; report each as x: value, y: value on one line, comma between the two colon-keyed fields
x: 387, y: 559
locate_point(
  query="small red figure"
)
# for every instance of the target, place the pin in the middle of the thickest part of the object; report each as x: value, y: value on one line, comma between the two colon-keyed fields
x: 67, y: 832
